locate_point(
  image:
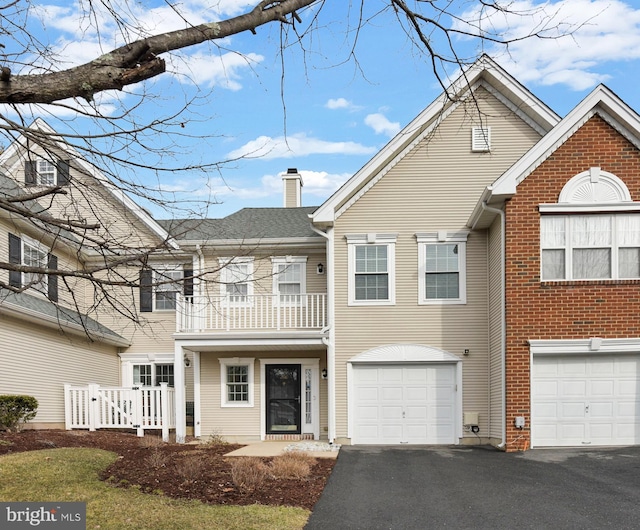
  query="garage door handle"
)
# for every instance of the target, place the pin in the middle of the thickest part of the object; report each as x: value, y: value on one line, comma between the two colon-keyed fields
x: 586, y: 409
x: 403, y: 413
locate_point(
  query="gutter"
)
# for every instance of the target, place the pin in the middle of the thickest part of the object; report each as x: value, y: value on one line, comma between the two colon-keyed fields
x: 330, y: 342
x: 503, y: 318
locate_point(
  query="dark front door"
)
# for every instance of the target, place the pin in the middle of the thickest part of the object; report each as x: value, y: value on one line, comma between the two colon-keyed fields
x: 283, y: 398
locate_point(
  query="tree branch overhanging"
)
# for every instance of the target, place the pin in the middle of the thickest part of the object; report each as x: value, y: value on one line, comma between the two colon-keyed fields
x: 137, y: 61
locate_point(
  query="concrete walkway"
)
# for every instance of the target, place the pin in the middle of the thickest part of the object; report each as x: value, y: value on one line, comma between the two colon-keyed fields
x: 267, y: 449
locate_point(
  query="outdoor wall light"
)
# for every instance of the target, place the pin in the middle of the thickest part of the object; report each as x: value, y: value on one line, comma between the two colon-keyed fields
x: 320, y: 268
x: 324, y: 373
x: 187, y: 361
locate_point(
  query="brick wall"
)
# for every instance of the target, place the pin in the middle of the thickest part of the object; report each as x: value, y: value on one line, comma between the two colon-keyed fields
x: 561, y: 310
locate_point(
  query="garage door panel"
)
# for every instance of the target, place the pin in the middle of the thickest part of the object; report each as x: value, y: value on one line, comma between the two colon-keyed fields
x: 603, y: 387
x: 417, y: 394
x: 415, y: 403
x: 368, y: 413
x: 367, y: 394
x: 572, y: 410
x: 393, y: 393
x: 573, y: 388
x: 598, y: 402
x: 548, y: 389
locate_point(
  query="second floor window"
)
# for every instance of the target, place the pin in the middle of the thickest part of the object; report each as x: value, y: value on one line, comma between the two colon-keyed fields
x: 442, y: 267
x: 590, y: 247
x: 34, y: 255
x: 168, y: 283
x: 290, y: 278
x: 236, y: 279
x: 371, y: 269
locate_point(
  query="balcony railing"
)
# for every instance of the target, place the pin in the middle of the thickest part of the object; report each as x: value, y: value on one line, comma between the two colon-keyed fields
x: 269, y: 312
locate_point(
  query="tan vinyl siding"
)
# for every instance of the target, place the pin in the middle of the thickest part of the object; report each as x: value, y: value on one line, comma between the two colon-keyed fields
x: 87, y: 198
x: 434, y: 187
x: 38, y: 361
x: 496, y: 411
x: 243, y: 423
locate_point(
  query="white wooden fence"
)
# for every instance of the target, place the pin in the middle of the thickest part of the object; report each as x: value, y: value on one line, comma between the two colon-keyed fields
x: 94, y: 407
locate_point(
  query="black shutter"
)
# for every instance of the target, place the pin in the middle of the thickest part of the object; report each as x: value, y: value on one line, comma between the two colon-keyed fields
x: 30, y: 173
x: 15, y: 258
x: 146, y: 290
x: 52, y: 263
x: 63, y: 172
x: 187, y: 286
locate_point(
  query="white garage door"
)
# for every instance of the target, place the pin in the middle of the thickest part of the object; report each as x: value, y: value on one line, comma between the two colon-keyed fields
x: 408, y: 404
x: 585, y: 400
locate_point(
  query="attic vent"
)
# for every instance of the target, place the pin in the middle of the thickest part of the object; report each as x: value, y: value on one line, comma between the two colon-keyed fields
x: 481, y: 139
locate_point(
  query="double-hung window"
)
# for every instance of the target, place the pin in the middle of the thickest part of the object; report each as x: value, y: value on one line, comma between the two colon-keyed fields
x: 236, y: 280
x: 236, y: 382
x: 442, y: 267
x: 371, y: 269
x: 152, y: 374
x: 167, y: 285
x: 34, y: 255
x: 44, y: 172
x: 289, y: 279
x: 590, y: 247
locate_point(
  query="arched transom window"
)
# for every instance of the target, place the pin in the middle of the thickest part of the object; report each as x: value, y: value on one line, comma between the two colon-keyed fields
x: 592, y: 232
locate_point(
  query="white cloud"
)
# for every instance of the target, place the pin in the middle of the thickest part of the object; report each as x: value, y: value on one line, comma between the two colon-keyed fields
x: 593, y: 32
x: 296, y: 145
x: 339, y: 103
x: 205, y: 69
x: 381, y: 125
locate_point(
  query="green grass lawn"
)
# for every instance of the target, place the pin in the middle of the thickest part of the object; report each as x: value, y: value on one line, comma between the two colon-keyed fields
x: 63, y: 475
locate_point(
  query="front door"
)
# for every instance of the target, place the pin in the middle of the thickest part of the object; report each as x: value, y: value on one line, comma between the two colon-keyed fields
x: 283, y: 398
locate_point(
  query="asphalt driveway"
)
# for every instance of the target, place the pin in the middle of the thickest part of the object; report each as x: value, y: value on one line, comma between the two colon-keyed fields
x: 473, y: 487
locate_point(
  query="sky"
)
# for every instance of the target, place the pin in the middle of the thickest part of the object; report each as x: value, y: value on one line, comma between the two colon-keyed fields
x: 325, y: 106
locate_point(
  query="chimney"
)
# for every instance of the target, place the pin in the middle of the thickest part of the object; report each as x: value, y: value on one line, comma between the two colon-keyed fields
x: 292, y: 188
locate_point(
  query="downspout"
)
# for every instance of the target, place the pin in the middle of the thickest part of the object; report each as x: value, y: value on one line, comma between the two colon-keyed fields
x: 197, y: 403
x: 503, y: 318
x: 330, y: 342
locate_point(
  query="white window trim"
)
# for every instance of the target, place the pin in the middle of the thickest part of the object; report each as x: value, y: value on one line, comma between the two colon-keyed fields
x: 435, y: 238
x: 480, y: 139
x: 354, y: 240
x: 39, y: 172
x: 568, y: 248
x: 236, y: 361
x: 129, y: 359
x: 290, y: 260
x: 26, y: 240
x: 167, y: 268
x: 222, y: 263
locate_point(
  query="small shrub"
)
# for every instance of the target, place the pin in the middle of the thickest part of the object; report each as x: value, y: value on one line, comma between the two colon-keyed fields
x: 215, y: 438
x: 190, y: 468
x: 156, y: 459
x: 15, y: 411
x: 293, y: 464
x: 150, y: 442
x: 248, y: 473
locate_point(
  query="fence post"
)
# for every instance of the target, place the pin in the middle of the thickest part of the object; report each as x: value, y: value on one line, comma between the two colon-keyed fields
x: 68, y: 413
x: 164, y: 410
x: 94, y: 406
x: 138, y: 410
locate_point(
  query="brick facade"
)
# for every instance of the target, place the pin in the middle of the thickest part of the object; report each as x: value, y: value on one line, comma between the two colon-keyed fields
x: 561, y: 310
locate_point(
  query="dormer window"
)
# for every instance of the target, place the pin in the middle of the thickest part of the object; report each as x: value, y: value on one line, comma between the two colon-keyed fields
x: 44, y: 172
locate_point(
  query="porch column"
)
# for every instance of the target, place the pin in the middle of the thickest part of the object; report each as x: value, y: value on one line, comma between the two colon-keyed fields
x: 181, y: 394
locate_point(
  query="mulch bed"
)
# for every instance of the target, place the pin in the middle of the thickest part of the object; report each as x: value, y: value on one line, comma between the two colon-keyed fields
x: 188, y: 471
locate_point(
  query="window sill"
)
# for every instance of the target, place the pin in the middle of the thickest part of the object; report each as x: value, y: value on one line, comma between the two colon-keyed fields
x: 577, y: 283
x: 237, y: 405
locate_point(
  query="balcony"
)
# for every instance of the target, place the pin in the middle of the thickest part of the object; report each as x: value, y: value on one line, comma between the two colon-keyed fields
x: 271, y: 312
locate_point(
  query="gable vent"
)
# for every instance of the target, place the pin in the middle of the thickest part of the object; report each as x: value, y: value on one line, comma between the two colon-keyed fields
x: 481, y: 139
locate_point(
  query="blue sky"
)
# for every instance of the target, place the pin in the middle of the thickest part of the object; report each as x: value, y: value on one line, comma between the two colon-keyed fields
x: 325, y: 112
